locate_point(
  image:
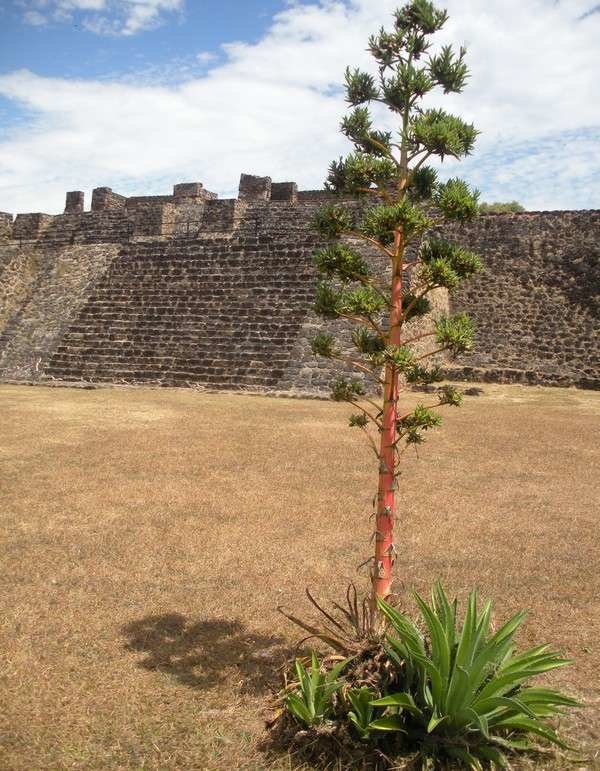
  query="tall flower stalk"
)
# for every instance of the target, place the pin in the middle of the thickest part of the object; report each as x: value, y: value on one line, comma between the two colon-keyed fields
x: 403, y: 203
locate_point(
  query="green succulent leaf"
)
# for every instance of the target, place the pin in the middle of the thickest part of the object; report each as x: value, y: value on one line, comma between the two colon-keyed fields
x: 455, y: 333
x: 420, y: 15
x: 333, y: 220
x: 401, y: 357
x: 323, y: 344
x: 362, y: 711
x: 423, y: 183
x: 414, y: 306
x: 450, y: 395
x: 380, y: 222
x: 364, y: 301
x: 407, y: 82
x: 436, y: 132
x: 310, y: 701
x: 338, y: 261
x: 344, y: 390
x: 366, y: 341
x: 361, y: 171
x: 421, y: 417
x: 360, y: 87
x: 403, y: 701
x: 358, y: 127
x: 326, y: 301
x: 462, y: 262
x: 439, y: 273
x: 468, y: 683
x: 384, y: 47
x: 449, y: 69
x: 391, y: 723
x: 456, y: 200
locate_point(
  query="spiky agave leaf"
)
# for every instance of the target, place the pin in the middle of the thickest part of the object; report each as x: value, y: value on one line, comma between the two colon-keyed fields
x: 469, y: 688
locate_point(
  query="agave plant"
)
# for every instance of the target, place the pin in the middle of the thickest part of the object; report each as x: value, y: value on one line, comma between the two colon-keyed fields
x: 465, y: 694
x: 310, y: 701
x: 362, y: 712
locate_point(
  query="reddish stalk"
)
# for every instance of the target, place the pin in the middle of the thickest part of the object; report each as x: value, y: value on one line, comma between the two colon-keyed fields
x: 385, y: 550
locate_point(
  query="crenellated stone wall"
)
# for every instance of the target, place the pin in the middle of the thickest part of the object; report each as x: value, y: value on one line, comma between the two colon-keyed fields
x: 188, y: 289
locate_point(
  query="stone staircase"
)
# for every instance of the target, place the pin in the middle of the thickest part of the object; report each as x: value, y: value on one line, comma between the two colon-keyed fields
x: 220, y: 312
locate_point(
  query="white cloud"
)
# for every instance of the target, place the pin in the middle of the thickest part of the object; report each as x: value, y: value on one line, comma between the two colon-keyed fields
x: 274, y: 107
x: 206, y: 56
x: 34, y: 18
x: 104, y: 17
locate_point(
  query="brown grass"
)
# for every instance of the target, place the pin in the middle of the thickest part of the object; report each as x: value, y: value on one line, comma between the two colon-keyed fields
x: 150, y: 534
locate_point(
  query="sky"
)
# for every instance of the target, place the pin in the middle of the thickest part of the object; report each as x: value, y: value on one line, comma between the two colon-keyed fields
x: 138, y: 95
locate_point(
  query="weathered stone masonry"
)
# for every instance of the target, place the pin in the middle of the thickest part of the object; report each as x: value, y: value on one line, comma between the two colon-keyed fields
x: 536, y: 305
x: 188, y: 289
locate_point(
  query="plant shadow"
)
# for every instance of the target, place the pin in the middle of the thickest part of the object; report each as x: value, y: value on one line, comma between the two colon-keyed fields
x: 204, y: 654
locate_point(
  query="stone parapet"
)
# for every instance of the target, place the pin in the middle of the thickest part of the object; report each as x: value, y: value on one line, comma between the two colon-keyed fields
x: 103, y: 198
x: 30, y: 226
x: 284, y: 191
x: 74, y: 202
x: 254, y: 188
x: 186, y: 191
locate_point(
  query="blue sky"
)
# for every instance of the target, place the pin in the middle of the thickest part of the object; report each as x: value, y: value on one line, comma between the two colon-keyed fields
x: 141, y: 94
x: 67, y: 46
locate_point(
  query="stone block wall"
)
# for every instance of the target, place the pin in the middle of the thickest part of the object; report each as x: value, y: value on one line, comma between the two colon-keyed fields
x: 321, y: 196
x: 536, y: 305
x: 44, y: 306
x: 151, y: 219
x: 29, y: 227
x: 5, y: 225
x: 18, y: 270
x: 284, y: 191
x: 191, y: 191
x: 189, y: 289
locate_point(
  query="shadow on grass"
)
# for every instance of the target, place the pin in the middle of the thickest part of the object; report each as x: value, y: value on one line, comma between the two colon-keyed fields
x: 204, y: 654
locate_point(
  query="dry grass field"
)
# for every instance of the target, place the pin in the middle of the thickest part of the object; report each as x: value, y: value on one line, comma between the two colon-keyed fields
x: 149, y: 535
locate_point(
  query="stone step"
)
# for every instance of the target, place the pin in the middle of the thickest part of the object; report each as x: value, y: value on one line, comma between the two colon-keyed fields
x: 105, y: 354
x: 224, y: 378
x: 221, y: 312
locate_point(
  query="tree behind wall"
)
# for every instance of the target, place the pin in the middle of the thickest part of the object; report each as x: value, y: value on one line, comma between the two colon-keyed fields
x: 403, y: 201
x: 499, y: 207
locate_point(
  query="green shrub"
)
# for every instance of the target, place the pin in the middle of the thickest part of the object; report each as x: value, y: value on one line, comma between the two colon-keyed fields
x: 458, y: 691
x: 499, y: 207
x: 465, y: 694
x: 310, y: 701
